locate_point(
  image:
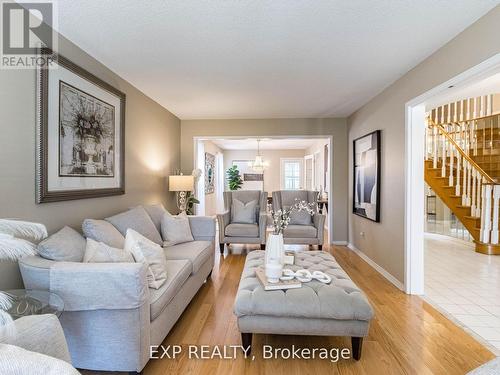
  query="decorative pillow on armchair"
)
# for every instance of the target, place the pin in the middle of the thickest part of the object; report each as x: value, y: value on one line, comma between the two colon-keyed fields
x: 146, y: 251
x: 243, y: 213
x: 300, y: 218
x: 175, y: 229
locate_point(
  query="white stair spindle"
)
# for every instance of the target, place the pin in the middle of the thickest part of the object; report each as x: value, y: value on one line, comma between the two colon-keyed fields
x: 494, y: 224
x: 452, y: 156
x: 486, y: 214
x: 443, y: 155
x: 464, y: 183
x: 468, y: 191
x: 478, y: 197
x: 473, y: 192
x: 457, y: 186
x: 435, y: 147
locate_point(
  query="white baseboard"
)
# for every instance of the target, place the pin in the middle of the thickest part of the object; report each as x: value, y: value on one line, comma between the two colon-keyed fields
x: 340, y: 243
x: 377, y: 268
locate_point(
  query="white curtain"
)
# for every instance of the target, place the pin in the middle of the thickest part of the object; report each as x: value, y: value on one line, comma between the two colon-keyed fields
x: 219, y: 182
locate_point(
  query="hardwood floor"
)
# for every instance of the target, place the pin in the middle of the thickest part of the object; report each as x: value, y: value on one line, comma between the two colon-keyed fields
x: 407, y: 335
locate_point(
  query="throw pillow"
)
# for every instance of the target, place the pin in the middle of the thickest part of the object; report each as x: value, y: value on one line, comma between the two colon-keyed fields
x: 137, y: 219
x: 300, y: 218
x: 243, y: 213
x: 156, y: 212
x: 175, y: 229
x: 103, y: 231
x: 146, y: 251
x: 66, y: 245
x: 99, y: 252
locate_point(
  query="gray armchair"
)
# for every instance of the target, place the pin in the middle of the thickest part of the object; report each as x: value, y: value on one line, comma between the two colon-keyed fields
x: 303, y: 229
x: 233, y: 228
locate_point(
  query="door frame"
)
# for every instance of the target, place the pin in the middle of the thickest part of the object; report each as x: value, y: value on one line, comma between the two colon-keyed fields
x: 306, y: 158
x: 414, y: 171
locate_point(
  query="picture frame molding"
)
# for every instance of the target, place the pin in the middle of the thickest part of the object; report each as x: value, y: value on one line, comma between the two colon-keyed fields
x: 43, y: 195
x: 377, y: 211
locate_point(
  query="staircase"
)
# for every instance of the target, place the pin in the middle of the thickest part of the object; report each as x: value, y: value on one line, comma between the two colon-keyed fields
x: 462, y: 165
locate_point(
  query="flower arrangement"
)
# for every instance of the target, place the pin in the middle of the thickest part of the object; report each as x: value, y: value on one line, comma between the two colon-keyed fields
x: 281, y: 217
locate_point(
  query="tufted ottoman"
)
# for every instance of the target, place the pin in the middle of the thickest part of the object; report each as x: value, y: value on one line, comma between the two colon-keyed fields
x: 337, y: 309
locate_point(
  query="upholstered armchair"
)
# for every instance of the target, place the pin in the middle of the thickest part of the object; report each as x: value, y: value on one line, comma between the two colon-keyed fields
x: 303, y: 229
x: 245, y: 218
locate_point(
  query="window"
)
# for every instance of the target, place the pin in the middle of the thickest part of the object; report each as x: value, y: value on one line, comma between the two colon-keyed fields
x: 291, y: 172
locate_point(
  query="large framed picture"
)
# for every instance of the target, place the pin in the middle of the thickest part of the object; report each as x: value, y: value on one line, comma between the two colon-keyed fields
x: 366, y: 176
x: 80, y: 133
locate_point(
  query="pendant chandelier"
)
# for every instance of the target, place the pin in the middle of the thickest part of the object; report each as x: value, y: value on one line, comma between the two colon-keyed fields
x: 258, y: 165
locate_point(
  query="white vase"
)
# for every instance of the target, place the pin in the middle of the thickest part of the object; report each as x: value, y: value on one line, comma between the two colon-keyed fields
x: 274, y: 272
x: 275, y: 250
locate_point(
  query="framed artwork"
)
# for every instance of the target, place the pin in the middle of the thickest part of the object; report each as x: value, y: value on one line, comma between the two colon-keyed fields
x: 81, y: 134
x: 366, y: 176
x: 209, y: 173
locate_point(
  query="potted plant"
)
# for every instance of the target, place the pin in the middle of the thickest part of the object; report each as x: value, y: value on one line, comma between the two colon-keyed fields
x: 234, y: 178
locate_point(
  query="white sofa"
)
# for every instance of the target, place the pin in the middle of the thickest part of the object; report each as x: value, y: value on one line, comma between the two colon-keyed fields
x: 111, y: 317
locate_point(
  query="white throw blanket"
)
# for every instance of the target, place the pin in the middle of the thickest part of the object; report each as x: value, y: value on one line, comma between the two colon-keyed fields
x: 18, y: 361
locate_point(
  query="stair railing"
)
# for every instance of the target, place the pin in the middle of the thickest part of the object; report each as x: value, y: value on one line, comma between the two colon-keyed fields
x: 448, y: 146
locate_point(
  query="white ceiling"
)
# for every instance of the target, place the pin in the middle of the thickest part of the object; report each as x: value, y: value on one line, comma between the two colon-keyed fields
x: 264, y: 58
x: 266, y: 143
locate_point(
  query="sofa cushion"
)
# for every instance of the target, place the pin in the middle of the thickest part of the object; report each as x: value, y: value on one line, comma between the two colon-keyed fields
x: 243, y: 212
x: 145, y: 251
x: 197, y: 252
x: 175, y: 229
x: 137, y: 219
x: 66, y: 245
x: 300, y: 231
x: 242, y: 230
x: 99, y: 252
x: 103, y: 231
x: 178, y: 272
x: 155, y: 212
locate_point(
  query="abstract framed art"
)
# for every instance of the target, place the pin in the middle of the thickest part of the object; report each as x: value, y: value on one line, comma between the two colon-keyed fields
x: 366, y: 176
x: 80, y: 134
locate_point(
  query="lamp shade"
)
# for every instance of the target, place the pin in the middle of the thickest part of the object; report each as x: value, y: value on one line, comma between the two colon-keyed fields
x: 181, y: 183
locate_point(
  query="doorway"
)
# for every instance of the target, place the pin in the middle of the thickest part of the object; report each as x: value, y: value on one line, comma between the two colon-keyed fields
x: 285, y: 155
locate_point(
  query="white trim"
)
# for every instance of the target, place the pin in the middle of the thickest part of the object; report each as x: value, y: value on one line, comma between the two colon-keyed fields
x: 414, y: 181
x: 398, y: 284
x: 340, y: 243
x: 306, y: 158
x: 308, y: 136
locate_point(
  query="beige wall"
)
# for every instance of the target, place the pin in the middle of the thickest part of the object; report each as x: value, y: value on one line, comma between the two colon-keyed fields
x: 152, y: 153
x: 335, y: 127
x: 384, y: 242
x: 273, y: 157
x: 211, y: 199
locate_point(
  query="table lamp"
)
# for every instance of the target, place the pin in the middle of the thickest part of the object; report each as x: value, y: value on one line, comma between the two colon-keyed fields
x: 181, y: 185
